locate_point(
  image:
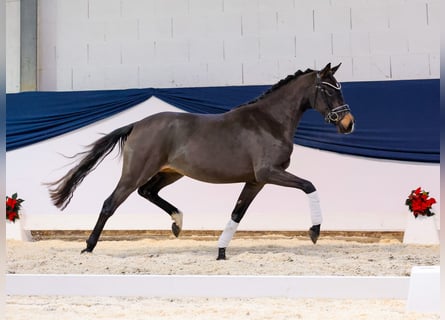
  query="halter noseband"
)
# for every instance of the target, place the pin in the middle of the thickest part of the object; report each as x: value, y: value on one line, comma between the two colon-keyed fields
x: 335, y: 114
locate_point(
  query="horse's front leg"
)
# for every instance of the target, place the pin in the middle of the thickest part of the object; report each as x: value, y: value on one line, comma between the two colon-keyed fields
x: 246, y: 197
x: 286, y: 179
x: 316, y: 216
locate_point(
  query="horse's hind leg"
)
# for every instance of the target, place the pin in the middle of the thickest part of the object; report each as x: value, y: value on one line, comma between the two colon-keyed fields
x: 150, y: 192
x: 246, y: 197
x: 110, y: 205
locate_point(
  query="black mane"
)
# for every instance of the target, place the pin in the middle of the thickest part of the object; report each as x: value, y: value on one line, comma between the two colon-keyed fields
x: 278, y: 85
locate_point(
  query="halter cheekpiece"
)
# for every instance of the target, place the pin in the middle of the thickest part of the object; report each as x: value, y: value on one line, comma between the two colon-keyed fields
x: 335, y: 114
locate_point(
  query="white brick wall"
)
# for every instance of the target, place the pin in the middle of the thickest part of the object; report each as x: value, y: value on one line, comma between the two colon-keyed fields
x: 372, y: 67
x: 242, y: 48
x: 12, y: 46
x: 332, y: 19
x: 408, y: 66
x: 100, y: 44
x: 435, y: 65
x: 366, y: 18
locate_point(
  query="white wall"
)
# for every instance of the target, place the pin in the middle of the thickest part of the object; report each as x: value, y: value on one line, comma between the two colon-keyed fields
x: 12, y: 45
x: 356, y: 193
x: 108, y: 44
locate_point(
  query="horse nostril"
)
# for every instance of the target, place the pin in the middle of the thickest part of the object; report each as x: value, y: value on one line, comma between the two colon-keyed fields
x: 350, y: 127
x: 346, y: 124
x: 346, y: 128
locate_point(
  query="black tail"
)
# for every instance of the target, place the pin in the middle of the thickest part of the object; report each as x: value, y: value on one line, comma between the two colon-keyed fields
x: 61, y: 191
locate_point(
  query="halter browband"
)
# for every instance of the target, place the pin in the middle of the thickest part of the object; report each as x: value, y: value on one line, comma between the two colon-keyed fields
x: 336, y: 87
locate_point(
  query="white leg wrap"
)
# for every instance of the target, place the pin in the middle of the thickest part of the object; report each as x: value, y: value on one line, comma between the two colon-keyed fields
x: 177, y: 218
x: 227, y: 234
x: 314, y: 206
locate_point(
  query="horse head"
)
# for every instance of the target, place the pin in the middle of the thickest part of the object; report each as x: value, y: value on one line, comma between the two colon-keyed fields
x: 328, y: 100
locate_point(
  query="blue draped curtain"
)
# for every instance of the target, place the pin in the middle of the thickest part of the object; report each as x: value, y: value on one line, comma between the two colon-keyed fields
x: 394, y: 119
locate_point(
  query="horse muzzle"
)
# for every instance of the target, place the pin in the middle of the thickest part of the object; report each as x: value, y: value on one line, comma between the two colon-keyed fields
x: 346, y: 124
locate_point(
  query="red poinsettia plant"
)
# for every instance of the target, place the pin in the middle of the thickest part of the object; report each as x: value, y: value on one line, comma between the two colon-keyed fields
x: 13, y: 206
x: 419, y: 203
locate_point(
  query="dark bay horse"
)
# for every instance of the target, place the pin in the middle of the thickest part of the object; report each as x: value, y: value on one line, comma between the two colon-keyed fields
x: 251, y: 143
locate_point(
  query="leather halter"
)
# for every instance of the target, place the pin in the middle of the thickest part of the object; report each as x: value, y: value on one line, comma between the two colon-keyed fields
x: 335, y: 114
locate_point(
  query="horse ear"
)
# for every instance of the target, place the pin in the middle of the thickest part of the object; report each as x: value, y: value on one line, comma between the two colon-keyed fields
x: 334, y: 69
x: 325, y: 70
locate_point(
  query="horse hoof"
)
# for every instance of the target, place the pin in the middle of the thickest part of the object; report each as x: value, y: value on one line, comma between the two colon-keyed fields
x: 175, y: 229
x: 314, y: 233
x: 177, y: 223
x: 86, y: 250
x: 221, y: 254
